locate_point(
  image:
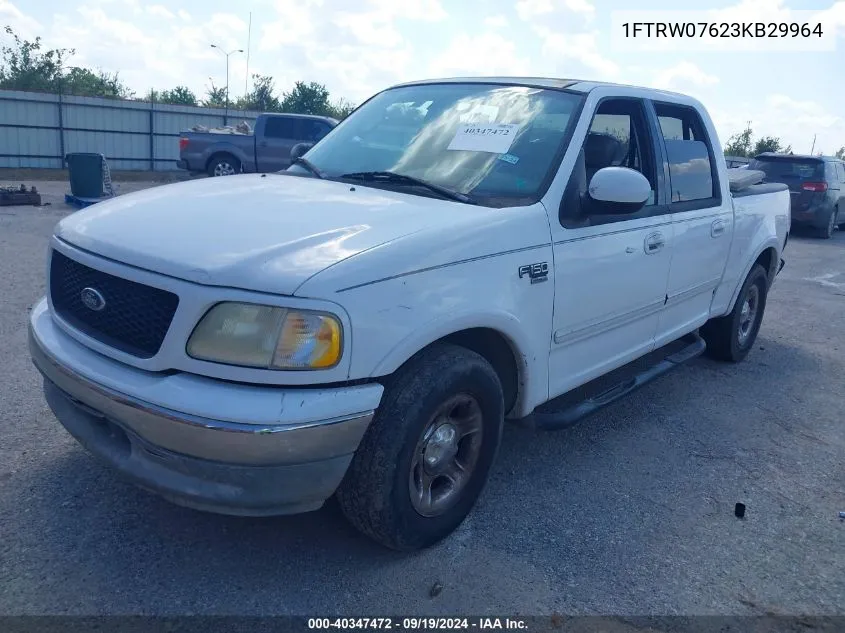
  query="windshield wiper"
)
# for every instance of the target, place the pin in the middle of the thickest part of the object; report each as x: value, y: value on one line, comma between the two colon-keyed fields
x: 309, y: 166
x: 401, y: 179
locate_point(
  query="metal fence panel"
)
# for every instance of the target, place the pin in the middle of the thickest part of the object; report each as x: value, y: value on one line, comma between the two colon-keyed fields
x: 37, y: 130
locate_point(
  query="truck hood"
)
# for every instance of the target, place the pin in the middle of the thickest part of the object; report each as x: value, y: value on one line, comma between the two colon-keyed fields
x: 264, y: 233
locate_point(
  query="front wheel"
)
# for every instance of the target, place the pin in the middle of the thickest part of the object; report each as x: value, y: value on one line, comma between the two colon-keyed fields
x: 426, y: 456
x: 731, y: 337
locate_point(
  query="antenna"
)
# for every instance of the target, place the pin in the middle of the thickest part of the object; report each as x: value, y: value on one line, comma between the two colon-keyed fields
x: 814, y: 144
x: 248, y: 41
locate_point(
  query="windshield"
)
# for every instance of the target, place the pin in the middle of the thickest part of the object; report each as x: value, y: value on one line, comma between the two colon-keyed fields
x: 789, y: 168
x: 496, y: 144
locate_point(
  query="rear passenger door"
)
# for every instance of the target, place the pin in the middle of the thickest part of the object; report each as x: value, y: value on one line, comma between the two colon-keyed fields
x: 702, y: 219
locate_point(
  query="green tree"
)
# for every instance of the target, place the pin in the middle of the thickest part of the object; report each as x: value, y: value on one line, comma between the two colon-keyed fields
x: 215, y: 97
x: 770, y: 144
x: 840, y: 153
x: 180, y: 95
x: 24, y: 66
x: 308, y: 98
x: 261, y: 96
x: 87, y: 83
x: 341, y: 109
x: 739, y: 144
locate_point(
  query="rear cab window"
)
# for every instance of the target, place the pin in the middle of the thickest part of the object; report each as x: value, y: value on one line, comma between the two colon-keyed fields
x: 692, y: 174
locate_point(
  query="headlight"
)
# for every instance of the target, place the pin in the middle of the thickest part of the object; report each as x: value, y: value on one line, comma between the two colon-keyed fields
x: 265, y: 336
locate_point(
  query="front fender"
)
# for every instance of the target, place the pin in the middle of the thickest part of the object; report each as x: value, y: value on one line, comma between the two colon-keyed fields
x: 529, y: 366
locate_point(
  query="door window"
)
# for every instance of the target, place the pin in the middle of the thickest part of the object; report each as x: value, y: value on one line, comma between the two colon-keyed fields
x: 693, y: 178
x: 618, y: 137
x: 840, y: 170
x: 311, y: 130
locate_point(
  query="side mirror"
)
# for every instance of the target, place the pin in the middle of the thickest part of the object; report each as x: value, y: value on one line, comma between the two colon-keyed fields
x: 617, y: 191
x: 299, y: 150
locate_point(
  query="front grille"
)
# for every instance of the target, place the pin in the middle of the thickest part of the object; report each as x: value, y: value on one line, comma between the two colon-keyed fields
x: 134, y: 319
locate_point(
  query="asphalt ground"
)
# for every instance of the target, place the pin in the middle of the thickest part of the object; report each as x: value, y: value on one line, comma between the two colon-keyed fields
x: 629, y: 513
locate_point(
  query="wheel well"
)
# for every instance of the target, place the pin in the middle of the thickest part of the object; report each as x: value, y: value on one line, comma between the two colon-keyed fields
x: 768, y: 260
x: 217, y: 155
x: 497, y: 351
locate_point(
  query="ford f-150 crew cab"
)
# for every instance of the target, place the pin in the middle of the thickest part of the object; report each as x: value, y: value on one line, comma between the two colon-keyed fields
x: 455, y: 254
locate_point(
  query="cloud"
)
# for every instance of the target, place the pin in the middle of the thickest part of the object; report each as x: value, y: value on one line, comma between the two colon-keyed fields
x: 25, y: 25
x: 530, y: 9
x: 496, y: 22
x: 160, y: 11
x: 580, y: 6
x: 486, y: 54
x: 794, y: 121
x: 184, y: 15
x: 683, y: 73
x: 420, y: 10
x: 803, y: 111
x: 581, y: 47
x: 369, y: 29
x: 834, y: 17
x: 294, y: 24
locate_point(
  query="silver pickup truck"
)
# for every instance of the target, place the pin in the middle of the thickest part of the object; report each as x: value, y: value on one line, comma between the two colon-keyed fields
x: 268, y: 148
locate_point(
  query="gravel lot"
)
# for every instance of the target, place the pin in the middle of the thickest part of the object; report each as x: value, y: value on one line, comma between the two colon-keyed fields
x: 629, y: 513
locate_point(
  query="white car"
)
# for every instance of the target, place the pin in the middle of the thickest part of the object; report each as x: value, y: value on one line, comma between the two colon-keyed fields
x: 364, y: 323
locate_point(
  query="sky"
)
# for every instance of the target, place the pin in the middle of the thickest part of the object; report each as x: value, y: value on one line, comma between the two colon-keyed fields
x: 358, y: 47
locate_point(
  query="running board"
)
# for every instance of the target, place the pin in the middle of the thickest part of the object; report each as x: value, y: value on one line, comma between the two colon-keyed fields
x: 550, y: 418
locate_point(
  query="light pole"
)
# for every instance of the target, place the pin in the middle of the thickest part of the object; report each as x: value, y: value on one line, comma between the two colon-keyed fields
x: 237, y: 50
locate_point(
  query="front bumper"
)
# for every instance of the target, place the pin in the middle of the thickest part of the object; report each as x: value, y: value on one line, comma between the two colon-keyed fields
x: 274, y: 458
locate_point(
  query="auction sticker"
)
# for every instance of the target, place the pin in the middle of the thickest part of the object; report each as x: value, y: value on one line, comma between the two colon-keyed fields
x: 496, y: 138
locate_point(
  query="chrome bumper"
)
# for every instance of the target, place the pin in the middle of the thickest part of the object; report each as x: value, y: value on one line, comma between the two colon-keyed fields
x: 220, y: 466
x: 202, y: 437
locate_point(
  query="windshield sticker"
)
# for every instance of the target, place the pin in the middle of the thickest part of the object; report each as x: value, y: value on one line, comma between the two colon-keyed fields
x: 495, y: 138
x: 509, y: 158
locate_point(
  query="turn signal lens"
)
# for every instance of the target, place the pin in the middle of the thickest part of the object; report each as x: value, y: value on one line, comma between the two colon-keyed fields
x: 308, y: 340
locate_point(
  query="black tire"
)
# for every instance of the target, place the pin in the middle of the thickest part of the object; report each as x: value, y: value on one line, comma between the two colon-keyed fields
x: 375, y: 495
x: 826, y: 232
x: 223, y: 163
x: 727, y: 337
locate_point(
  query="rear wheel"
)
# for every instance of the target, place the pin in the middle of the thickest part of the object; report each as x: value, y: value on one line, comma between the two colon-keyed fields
x: 224, y: 165
x: 826, y: 232
x: 731, y: 337
x: 426, y: 457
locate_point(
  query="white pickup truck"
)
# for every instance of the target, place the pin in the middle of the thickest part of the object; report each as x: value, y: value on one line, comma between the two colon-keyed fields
x: 455, y: 254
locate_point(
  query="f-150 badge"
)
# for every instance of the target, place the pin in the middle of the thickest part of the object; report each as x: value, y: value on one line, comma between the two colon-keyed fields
x: 538, y: 272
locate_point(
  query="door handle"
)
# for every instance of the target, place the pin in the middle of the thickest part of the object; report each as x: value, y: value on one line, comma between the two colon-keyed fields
x: 654, y: 242
x: 717, y: 228
x: 262, y: 144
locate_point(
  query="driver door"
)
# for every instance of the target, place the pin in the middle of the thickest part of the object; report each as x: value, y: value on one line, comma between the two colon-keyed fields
x: 611, y: 271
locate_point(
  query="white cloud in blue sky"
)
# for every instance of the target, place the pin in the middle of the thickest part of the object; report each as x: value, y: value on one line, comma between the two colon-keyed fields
x: 357, y: 48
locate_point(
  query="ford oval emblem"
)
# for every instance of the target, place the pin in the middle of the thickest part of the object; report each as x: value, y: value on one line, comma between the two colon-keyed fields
x: 92, y: 299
